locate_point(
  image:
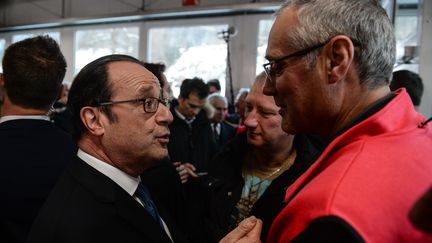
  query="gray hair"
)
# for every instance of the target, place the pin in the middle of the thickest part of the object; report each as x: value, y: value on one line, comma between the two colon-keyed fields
x: 216, y: 96
x: 364, y: 21
x: 242, y: 92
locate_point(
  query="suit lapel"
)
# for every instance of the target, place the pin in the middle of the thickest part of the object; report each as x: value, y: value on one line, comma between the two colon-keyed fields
x: 108, y: 192
x: 177, y: 233
x: 132, y: 212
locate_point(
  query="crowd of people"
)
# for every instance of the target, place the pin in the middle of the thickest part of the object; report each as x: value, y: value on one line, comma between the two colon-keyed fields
x: 325, y: 146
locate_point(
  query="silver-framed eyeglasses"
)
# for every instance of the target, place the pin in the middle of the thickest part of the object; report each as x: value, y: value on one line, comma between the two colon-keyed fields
x: 150, y: 104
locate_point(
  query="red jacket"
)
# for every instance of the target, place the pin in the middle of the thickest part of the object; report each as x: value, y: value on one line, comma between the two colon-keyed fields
x: 370, y: 176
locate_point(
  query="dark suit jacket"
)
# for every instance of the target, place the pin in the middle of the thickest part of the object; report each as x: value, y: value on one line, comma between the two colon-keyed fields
x: 193, y: 144
x: 33, y: 155
x: 164, y: 184
x: 226, y: 133
x: 87, y: 206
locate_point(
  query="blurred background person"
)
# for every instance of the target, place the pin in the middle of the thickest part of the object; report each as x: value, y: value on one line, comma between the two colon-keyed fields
x: 214, y: 86
x: 222, y: 131
x: 251, y: 173
x: 59, y: 113
x: 411, y: 81
x: 236, y: 119
x: 191, y: 144
x: 191, y: 141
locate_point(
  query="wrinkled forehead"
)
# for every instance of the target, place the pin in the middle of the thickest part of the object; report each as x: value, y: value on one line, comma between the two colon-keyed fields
x: 219, y: 102
x: 256, y: 92
x: 132, y: 78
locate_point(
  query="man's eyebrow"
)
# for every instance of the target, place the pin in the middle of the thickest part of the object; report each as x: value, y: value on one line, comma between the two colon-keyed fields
x: 266, y: 108
x: 145, y: 89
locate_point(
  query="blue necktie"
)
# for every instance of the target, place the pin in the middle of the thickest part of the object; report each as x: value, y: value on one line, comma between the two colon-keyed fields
x: 143, y: 194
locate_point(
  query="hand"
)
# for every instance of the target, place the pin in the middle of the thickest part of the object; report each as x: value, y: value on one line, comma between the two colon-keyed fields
x: 185, y: 170
x: 248, y: 231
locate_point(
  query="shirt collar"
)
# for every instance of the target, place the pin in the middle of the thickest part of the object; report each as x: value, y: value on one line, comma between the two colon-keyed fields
x: 125, y: 181
x: 180, y: 115
x: 16, y: 117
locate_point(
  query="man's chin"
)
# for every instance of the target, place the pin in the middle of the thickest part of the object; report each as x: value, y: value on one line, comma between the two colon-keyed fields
x: 254, y: 142
x: 157, y: 160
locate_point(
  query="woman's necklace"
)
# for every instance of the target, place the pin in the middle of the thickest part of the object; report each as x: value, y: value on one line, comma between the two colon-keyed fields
x: 284, y: 166
x: 266, y: 177
x: 253, y: 189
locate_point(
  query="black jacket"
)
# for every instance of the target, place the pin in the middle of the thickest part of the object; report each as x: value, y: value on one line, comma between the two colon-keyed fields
x: 87, y: 206
x: 33, y: 155
x: 194, y: 145
x: 226, y: 183
x: 226, y: 133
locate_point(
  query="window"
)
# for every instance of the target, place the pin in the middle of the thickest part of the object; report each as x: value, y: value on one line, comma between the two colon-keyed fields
x: 407, y: 34
x: 95, y: 43
x: 263, y: 33
x: 187, y: 52
x: 20, y: 37
x: 2, y: 50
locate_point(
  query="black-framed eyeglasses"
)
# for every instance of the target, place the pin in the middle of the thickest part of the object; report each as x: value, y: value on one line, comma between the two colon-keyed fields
x: 150, y: 104
x: 275, y: 67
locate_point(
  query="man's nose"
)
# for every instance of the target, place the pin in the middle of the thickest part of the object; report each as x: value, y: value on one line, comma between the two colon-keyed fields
x: 163, y: 115
x: 251, y: 119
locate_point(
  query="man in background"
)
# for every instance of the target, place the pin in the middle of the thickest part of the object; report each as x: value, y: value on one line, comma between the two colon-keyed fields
x: 59, y: 113
x: 191, y: 142
x: 214, y: 86
x: 221, y: 130
x: 411, y: 82
x: 34, y: 152
x: 237, y: 119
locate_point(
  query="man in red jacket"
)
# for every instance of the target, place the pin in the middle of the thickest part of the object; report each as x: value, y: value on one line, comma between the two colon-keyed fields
x: 329, y: 66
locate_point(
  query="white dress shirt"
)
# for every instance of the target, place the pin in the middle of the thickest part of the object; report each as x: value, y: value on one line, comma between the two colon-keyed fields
x: 13, y: 117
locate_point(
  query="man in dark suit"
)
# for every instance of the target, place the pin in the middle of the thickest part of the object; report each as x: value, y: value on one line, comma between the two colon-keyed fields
x: 33, y: 152
x: 120, y: 120
x: 222, y: 131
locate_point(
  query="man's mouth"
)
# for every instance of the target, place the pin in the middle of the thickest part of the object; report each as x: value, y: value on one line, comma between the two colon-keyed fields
x: 163, y: 139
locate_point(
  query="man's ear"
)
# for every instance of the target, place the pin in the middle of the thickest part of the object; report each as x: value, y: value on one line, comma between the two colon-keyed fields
x: 90, y: 116
x: 340, y: 57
